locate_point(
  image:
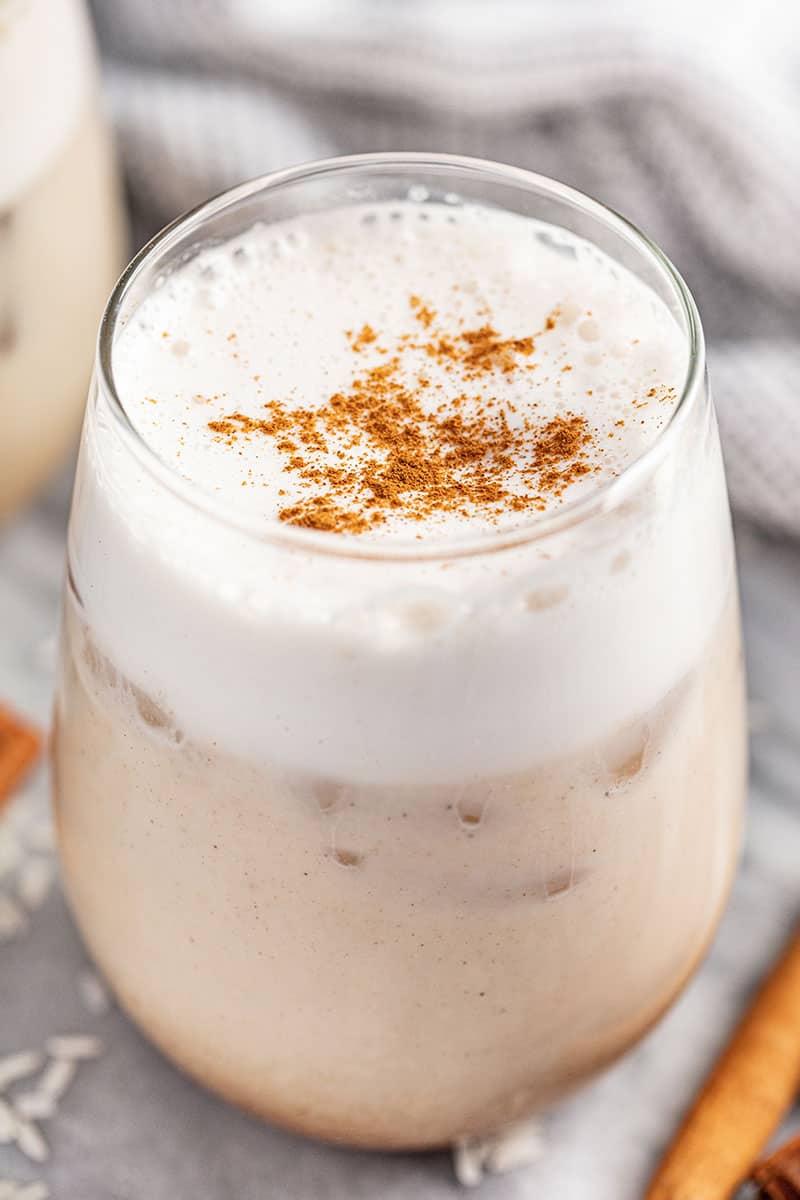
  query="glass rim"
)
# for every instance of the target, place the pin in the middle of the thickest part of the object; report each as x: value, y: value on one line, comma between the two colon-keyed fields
x: 538, y: 527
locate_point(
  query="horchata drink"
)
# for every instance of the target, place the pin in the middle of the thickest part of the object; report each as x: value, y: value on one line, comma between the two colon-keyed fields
x: 399, y: 749
x: 60, y: 234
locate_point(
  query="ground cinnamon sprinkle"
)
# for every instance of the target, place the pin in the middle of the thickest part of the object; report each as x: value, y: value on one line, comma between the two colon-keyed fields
x: 376, y: 450
x: 363, y: 338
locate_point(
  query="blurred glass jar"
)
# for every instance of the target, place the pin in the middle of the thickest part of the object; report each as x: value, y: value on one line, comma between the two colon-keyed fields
x: 61, y: 234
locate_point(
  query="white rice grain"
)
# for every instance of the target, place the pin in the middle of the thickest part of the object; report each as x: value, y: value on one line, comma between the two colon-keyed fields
x: 94, y: 993
x: 467, y: 1163
x: 34, y: 880
x: 517, y: 1146
x: 36, y: 1190
x: 10, y: 851
x: 56, y: 1078
x: 31, y: 1143
x: 74, y: 1046
x: 8, y: 1123
x: 17, y: 1066
x: 40, y: 835
x: 13, y: 919
x: 35, y: 1106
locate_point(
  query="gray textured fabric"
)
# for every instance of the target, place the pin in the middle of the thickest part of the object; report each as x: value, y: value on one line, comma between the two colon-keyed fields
x: 699, y: 148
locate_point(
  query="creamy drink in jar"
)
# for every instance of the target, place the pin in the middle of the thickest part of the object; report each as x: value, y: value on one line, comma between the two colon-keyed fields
x: 61, y: 240
x: 399, y: 734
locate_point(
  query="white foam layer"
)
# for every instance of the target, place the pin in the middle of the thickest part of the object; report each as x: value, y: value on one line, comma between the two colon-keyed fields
x: 267, y: 316
x: 388, y: 670
x: 45, y: 72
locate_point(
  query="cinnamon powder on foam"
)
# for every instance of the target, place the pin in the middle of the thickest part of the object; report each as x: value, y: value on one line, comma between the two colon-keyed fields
x: 376, y: 451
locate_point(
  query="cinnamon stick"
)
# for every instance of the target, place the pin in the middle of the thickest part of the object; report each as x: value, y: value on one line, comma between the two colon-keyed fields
x: 20, y: 744
x: 744, y: 1098
x: 778, y: 1177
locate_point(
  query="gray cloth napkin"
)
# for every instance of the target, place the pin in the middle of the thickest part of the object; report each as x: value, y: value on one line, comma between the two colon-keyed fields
x: 683, y: 118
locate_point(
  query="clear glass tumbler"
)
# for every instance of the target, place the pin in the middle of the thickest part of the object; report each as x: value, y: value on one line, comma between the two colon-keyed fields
x: 61, y: 234
x: 392, y: 844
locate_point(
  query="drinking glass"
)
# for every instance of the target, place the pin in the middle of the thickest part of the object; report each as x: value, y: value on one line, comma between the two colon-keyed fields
x: 393, y: 842
x: 61, y: 234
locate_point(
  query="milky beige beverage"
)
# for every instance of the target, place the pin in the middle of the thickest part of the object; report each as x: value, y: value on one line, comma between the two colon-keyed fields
x: 60, y: 234
x: 399, y: 750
